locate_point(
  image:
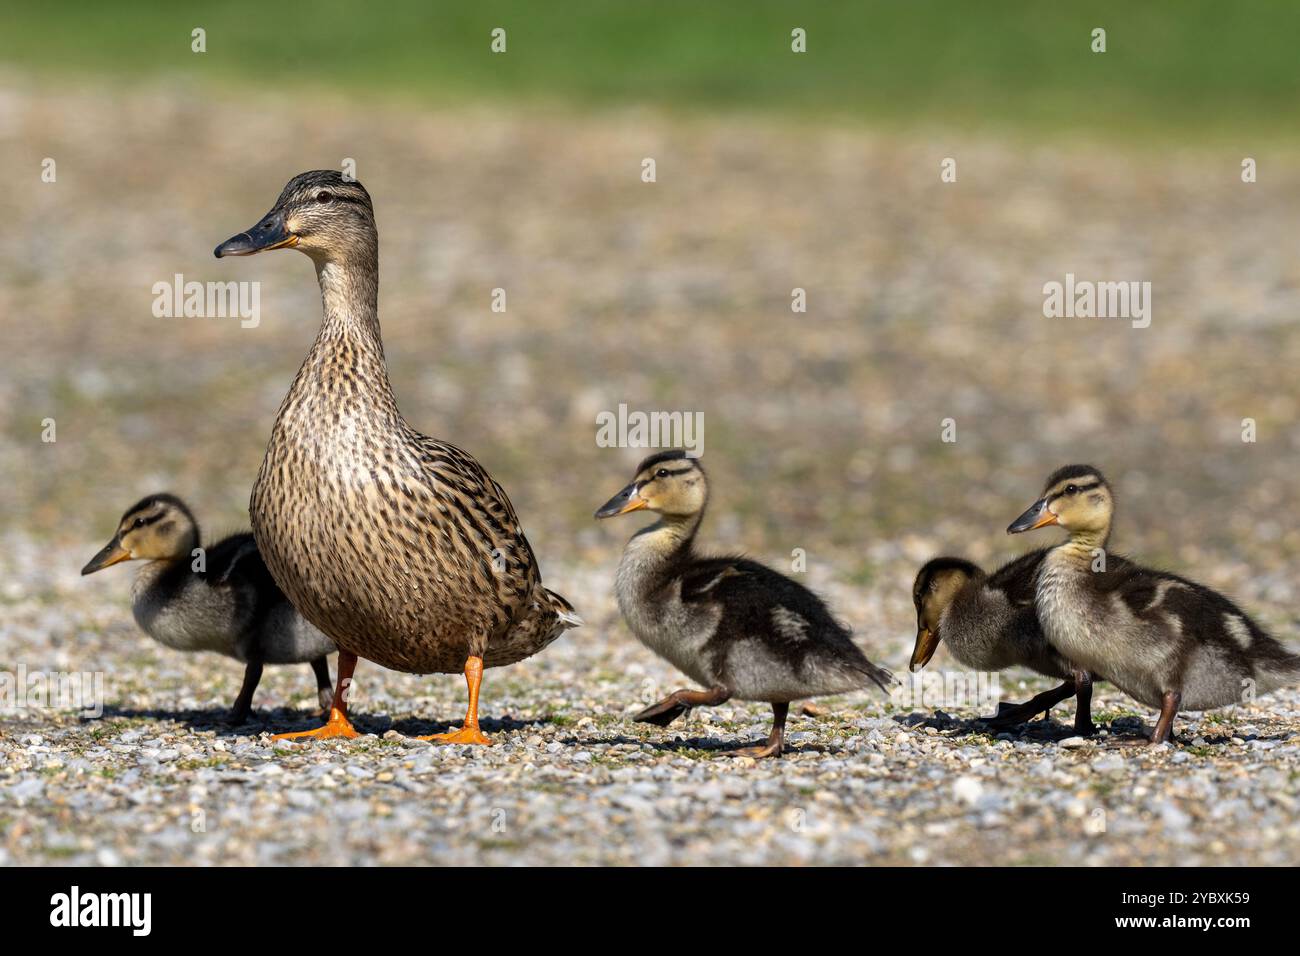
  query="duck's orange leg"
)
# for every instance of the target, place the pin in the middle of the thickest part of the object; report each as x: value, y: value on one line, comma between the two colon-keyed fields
x: 338, y: 724
x: 469, y: 732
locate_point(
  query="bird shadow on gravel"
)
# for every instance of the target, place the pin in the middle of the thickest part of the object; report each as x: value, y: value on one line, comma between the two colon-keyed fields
x: 1120, y: 732
x: 1039, y: 730
x: 714, y: 746
x: 419, y: 727
x: 283, y: 720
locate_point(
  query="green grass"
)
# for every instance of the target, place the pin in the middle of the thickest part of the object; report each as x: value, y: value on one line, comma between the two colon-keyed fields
x: 1170, y: 64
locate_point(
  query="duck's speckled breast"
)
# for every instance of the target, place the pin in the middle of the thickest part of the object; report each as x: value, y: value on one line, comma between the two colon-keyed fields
x: 373, y: 531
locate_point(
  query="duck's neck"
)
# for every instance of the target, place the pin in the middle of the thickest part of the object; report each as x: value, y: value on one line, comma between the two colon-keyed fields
x: 349, y: 344
x: 349, y: 292
x: 1082, y: 546
x: 153, y: 574
x: 666, y: 541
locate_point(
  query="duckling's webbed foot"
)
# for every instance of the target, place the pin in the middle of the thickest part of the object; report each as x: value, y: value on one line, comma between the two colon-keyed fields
x: 775, y: 742
x: 1011, y: 715
x: 679, y: 702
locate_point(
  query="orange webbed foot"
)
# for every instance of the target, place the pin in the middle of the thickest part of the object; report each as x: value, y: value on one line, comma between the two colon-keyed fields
x: 466, y: 735
x: 338, y: 725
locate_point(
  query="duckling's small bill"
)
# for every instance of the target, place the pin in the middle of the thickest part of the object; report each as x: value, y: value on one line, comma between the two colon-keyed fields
x: 112, y: 553
x: 623, y: 502
x: 1038, y: 515
x: 927, y: 642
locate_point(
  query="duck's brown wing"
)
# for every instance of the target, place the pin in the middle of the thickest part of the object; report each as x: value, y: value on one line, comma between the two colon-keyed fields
x: 483, y: 519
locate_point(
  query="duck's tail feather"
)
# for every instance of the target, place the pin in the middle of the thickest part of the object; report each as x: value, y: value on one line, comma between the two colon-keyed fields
x: 1279, y: 669
x: 883, y: 677
x: 564, y: 611
x: 545, y: 618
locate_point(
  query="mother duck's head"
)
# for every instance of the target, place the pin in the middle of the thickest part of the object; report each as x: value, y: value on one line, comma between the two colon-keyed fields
x: 321, y: 213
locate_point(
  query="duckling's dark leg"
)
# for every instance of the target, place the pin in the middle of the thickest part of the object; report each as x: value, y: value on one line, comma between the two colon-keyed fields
x: 1009, y: 715
x: 775, y: 741
x: 321, y: 667
x: 1083, y: 725
x: 338, y: 724
x: 1165, y: 725
x: 679, y: 702
x: 244, y: 702
x: 469, y: 732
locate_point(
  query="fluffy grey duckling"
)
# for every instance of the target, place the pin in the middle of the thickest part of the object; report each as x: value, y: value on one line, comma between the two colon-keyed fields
x: 989, y: 623
x: 736, y: 627
x: 231, y: 606
x: 1168, y: 642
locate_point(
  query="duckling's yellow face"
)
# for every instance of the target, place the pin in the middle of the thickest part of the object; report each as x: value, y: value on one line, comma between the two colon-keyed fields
x: 319, y: 213
x: 1076, y: 497
x: 668, y: 483
x: 158, y: 528
x: 935, y: 587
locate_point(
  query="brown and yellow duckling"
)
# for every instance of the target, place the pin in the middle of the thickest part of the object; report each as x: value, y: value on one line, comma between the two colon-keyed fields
x: 1164, y: 640
x: 988, y: 622
x: 400, y: 547
x: 736, y: 627
x: 219, y: 597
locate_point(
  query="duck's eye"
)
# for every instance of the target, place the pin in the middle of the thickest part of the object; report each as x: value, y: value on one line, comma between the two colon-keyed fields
x: 139, y: 522
x: 324, y: 196
x: 1071, y: 489
x: 661, y: 473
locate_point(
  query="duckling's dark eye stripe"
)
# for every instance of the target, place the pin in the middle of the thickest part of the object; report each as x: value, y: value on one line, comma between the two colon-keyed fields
x: 1077, y: 489
x: 145, y: 522
x: 679, y: 471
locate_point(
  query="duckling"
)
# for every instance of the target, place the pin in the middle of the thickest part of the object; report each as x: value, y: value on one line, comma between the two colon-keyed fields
x: 230, y: 605
x: 1164, y: 640
x: 400, y: 547
x: 988, y: 623
x: 734, y: 626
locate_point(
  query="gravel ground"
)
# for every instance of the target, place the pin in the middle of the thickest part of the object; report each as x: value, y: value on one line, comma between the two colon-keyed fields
x: 160, y: 779
x: 823, y: 433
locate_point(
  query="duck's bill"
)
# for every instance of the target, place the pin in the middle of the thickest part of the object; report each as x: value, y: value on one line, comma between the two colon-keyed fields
x: 623, y: 502
x: 270, y: 233
x: 1036, y: 517
x: 112, y: 553
x: 927, y: 642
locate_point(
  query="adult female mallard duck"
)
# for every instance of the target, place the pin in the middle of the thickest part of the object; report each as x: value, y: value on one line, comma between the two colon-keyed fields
x: 988, y: 622
x: 1168, y: 642
x: 228, y: 604
x: 400, y: 547
x: 736, y: 627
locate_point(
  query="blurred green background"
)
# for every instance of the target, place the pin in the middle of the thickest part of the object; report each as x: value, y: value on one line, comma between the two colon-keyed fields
x: 1170, y: 65
x: 776, y: 170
